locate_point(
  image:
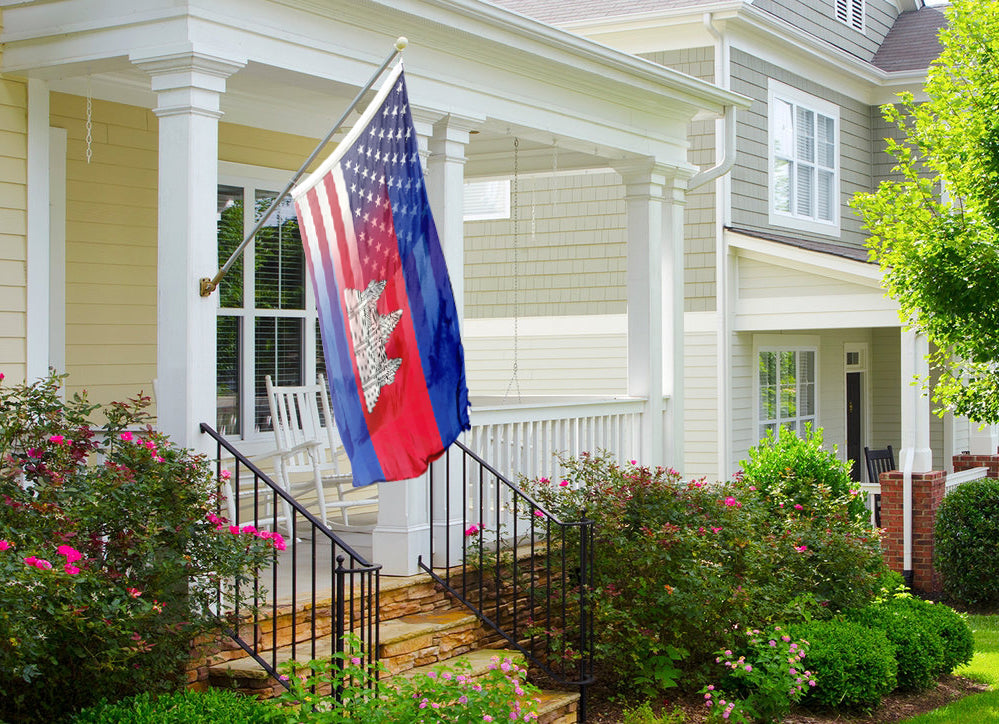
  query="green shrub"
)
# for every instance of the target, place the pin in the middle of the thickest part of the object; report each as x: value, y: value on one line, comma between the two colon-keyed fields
x: 919, y: 648
x: 966, y: 539
x: 854, y: 665
x: 112, y: 551
x: 794, y: 470
x: 683, y: 569
x: 955, y: 634
x: 214, y: 706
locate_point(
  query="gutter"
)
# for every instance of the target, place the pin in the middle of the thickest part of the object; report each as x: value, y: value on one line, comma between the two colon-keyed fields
x: 724, y: 165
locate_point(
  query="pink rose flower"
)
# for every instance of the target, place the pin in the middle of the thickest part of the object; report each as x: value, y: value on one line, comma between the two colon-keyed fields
x: 71, y: 569
x: 57, y: 439
x: 126, y: 436
x: 72, y: 555
x: 4, y: 545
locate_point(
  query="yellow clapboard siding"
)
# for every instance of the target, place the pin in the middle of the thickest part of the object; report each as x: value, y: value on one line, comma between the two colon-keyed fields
x: 88, y: 232
x: 81, y: 313
x: 13, y: 170
x: 113, y: 295
x: 126, y: 376
x: 12, y: 324
x: 66, y: 105
x: 123, y: 254
x: 14, y: 118
x: 103, y: 155
x: 114, y: 354
x: 13, y: 93
x: 120, y: 214
x: 116, y: 194
x: 102, y: 272
x: 13, y: 221
x: 12, y: 273
x: 128, y: 137
x: 86, y: 334
x: 13, y: 144
x: 12, y: 351
x: 12, y: 298
x: 12, y: 247
x: 133, y: 178
x: 13, y: 195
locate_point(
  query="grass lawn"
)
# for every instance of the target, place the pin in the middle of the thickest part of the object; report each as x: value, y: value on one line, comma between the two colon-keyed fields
x: 984, y: 667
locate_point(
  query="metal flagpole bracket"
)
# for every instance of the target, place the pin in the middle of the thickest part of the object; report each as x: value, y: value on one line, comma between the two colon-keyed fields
x: 209, y: 285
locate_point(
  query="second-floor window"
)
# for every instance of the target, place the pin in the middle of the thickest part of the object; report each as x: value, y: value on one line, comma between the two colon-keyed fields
x: 804, y: 153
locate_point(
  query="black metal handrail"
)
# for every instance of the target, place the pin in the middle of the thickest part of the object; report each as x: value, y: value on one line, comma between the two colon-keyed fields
x: 353, y: 588
x: 523, y: 572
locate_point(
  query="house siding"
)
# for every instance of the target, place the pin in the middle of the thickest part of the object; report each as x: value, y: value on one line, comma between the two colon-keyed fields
x: 575, y: 361
x: 750, y: 187
x: 819, y: 19
x: 886, y: 388
x: 13, y: 223
x: 700, y: 413
x: 700, y: 230
x: 570, y: 240
x: 110, y: 247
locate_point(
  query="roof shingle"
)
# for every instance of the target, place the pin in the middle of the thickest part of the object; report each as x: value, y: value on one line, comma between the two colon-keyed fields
x: 912, y: 42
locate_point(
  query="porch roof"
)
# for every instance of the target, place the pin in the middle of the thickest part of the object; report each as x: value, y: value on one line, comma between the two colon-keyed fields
x: 303, y: 60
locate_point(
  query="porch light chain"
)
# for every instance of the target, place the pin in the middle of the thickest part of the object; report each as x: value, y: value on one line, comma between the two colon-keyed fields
x: 90, y: 122
x: 514, y: 379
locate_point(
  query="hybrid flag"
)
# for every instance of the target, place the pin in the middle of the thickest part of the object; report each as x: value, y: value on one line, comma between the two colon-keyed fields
x: 393, y: 352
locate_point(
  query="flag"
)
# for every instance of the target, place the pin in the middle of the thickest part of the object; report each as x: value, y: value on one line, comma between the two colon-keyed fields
x: 389, y: 324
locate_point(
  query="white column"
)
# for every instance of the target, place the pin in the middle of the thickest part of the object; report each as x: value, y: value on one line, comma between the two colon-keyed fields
x: 915, y: 455
x: 654, y: 198
x: 402, y: 533
x: 188, y: 86
x: 38, y: 318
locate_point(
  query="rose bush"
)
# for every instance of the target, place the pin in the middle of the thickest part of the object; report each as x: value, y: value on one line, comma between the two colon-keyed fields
x: 112, y: 553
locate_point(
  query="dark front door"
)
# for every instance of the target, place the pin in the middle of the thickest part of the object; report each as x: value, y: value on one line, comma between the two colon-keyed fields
x: 854, y: 449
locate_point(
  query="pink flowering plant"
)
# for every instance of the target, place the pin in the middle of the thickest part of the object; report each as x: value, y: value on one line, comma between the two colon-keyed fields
x: 684, y: 568
x: 445, y: 694
x: 763, y: 681
x: 111, y: 551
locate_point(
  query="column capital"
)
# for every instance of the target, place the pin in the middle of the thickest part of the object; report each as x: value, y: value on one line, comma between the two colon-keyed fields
x: 186, y: 80
x: 643, y: 174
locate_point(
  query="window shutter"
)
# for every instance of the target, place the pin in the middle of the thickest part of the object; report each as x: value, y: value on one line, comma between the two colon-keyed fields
x: 857, y: 16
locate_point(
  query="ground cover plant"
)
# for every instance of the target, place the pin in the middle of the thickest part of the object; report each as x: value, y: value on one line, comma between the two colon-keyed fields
x: 683, y: 569
x: 111, y: 553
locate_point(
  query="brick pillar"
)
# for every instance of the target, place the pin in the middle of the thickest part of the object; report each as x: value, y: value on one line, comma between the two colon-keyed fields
x: 927, y: 491
x: 966, y: 462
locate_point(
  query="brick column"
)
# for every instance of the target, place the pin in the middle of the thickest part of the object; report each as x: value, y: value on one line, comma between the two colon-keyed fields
x: 966, y: 462
x: 927, y: 492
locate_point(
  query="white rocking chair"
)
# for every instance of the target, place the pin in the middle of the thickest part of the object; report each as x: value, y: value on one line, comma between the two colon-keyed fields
x: 308, y: 449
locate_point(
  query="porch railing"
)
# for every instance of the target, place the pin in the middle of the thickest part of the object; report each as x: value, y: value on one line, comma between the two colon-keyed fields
x: 523, y: 439
x: 318, y: 576
x: 521, y: 570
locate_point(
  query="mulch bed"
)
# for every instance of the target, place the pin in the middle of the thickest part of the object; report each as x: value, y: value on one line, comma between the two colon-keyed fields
x: 895, y: 707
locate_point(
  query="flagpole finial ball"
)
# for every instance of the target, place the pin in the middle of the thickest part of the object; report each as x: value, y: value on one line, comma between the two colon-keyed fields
x: 401, y: 42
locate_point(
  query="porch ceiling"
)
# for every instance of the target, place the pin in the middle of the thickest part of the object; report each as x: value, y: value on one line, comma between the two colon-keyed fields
x: 304, y: 61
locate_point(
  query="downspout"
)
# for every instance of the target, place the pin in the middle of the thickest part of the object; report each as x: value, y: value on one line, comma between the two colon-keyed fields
x: 724, y: 129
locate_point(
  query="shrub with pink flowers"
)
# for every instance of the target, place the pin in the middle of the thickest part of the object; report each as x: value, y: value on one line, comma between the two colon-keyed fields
x: 111, y: 553
x: 683, y: 568
x: 445, y: 694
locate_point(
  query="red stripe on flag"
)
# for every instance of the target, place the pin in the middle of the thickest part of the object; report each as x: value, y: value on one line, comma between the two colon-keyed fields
x: 402, y: 420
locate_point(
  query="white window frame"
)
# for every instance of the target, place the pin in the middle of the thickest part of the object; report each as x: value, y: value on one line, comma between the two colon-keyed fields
x: 486, y: 199
x: 252, y: 179
x: 852, y: 13
x: 781, y: 92
x: 778, y: 344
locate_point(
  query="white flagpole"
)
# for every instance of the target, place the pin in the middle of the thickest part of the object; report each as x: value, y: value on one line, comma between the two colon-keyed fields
x: 210, y: 285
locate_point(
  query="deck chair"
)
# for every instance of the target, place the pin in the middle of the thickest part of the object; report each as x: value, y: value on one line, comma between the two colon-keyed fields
x: 878, y: 461
x: 308, y: 449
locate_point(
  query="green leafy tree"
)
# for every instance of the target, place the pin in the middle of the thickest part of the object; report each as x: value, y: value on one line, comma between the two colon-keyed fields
x: 935, y: 229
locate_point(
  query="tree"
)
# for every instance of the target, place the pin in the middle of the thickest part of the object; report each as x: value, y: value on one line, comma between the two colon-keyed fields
x: 935, y: 230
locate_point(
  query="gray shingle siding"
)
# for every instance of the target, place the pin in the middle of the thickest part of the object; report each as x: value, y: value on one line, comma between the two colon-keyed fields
x: 818, y: 18
x: 699, y: 213
x: 750, y: 182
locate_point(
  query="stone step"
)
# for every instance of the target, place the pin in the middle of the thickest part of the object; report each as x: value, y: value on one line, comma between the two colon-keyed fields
x: 404, y: 643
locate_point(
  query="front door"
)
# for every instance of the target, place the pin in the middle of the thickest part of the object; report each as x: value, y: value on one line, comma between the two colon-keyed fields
x: 854, y: 449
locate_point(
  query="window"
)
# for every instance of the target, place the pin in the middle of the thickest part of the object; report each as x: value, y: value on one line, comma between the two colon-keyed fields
x: 804, y: 173
x: 266, y: 316
x: 851, y: 12
x: 786, y: 390
x: 486, y: 200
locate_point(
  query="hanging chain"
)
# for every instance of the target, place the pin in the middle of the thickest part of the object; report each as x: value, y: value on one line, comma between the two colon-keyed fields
x: 90, y: 122
x: 514, y: 379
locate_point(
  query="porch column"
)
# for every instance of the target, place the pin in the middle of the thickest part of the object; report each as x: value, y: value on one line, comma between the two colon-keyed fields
x: 915, y: 455
x: 446, y: 190
x: 188, y: 86
x: 654, y: 195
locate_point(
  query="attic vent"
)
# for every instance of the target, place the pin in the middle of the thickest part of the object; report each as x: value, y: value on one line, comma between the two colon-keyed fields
x: 851, y: 12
